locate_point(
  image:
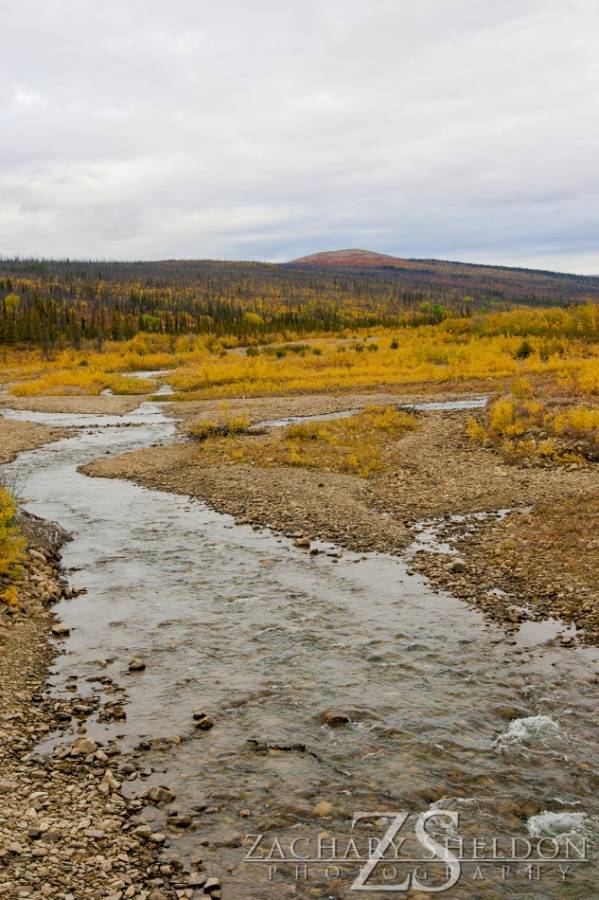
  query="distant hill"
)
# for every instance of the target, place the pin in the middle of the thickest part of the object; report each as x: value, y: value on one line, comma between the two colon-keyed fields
x: 361, y: 259
x: 473, y: 279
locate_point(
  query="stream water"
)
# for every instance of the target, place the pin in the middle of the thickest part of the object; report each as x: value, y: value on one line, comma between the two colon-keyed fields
x: 432, y: 405
x: 438, y: 709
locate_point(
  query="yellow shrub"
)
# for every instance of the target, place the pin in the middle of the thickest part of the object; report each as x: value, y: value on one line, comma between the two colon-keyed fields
x: 10, y: 596
x: 475, y: 431
x: 542, y: 429
x: 228, y: 425
x: 82, y: 380
x: 547, y: 448
x: 521, y: 388
x: 502, y: 415
x: 576, y: 420
x: 12, y: 547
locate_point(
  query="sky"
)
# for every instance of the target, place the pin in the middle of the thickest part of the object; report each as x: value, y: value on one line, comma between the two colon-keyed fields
x: 455, y: 129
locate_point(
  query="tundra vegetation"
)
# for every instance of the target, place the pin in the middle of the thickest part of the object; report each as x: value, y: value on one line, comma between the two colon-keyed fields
x: 353, y: 444
x: 12, y: 546
x: 246, y: 330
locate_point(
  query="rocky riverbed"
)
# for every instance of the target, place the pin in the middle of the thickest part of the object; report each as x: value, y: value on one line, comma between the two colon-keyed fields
x: 66, y: 829
x: 333, y: 680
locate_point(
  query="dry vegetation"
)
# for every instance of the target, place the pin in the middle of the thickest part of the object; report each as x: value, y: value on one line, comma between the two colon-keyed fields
x: 532, y: 429
x: 559, y: 347
x: 12, y: 546
x: 355, y: 444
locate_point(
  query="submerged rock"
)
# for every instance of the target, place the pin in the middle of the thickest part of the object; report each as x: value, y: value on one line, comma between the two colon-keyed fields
x: 202, y: 719
x: 334, y: 718
x: 136, y: 664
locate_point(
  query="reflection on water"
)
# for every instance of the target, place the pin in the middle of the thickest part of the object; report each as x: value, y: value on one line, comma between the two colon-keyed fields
x: 267, y: 640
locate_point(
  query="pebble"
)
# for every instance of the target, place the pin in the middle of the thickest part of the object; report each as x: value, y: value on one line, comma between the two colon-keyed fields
x: 83, y: 747
x: 202, y: 720
x: 323, y: 809
x: 136, y: 664
x: 7, y: 786
x: 159, y: 795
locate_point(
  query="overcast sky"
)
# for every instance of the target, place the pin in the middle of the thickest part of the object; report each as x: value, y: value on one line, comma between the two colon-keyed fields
x: 267, y: 129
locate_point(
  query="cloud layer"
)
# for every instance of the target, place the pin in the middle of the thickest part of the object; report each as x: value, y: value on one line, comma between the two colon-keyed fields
x: 462, y: 129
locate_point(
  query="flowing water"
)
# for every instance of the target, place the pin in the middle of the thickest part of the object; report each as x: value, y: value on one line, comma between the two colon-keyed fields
x: 432, y: 405
x: 438, y: 710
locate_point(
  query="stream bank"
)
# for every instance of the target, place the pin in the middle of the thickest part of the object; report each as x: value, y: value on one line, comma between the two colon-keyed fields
x: 66, y: 830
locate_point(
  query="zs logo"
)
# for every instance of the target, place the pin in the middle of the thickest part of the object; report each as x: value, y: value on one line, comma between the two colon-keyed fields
x: 390, y: 840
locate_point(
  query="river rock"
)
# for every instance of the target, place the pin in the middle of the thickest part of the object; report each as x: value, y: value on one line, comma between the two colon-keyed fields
x: 202, y: 720
x: 38, y: 556
x: 323, y: 809
x: 83, y: 747
x: 136, y: 664
x: 7, y: 786
x: 159, y: 794
x: 109, y: 783
x: 179, y: 821
x: 334, y: 718
x: 60, y: 630
x: 159, y: 837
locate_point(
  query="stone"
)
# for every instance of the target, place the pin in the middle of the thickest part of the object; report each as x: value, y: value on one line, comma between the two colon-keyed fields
x: 202, y: 720
x: 159, y: 795
x: 323, y: 809
x: 7, y: 786
x: 136, y: 664
x: 303, y: 543
x: 334, y: 718
x: 179, y: 821
x: 38, y: 556
x: 109, y: 783
x: 158, y: 837
x: 60, y: 630
x: 83, y: 747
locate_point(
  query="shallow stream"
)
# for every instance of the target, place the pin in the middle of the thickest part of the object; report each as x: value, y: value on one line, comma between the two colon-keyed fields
x: 437, y: 708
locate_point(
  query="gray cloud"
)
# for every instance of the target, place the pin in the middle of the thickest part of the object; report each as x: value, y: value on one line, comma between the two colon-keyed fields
x: 455, y: 129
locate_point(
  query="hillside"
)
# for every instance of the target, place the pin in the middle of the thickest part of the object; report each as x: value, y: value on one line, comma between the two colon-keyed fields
x: 473, y: 279
x: 58, y: 302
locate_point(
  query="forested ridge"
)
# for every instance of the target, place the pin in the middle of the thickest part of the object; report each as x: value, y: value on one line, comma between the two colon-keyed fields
x: 64, y: 302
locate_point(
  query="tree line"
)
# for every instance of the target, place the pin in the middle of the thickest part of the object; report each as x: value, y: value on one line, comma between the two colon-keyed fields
x: 56, y: 303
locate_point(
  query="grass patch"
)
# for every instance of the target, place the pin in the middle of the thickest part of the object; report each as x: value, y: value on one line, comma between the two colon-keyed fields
x: 354, y: 445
